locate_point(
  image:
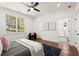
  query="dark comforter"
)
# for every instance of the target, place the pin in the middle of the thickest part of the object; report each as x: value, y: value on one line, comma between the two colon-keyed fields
x: 17, y: 50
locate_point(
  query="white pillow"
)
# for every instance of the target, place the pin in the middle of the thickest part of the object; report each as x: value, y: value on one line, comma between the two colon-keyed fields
x: 1, y: 48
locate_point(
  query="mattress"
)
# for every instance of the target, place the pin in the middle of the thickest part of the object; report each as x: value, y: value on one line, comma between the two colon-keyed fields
x: 17, y: 49
x: 35, y: 48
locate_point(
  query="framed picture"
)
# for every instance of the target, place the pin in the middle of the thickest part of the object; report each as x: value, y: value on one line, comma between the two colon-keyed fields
x: 11, y: 23
x: 20, y: 24
x: 50, y: 26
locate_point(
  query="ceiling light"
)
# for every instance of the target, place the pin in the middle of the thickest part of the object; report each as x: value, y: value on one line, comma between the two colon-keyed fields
x: 58, y: 5
x: 31, y: 9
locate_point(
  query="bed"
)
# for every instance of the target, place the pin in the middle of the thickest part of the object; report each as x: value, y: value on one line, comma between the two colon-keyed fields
x: 24, y: 47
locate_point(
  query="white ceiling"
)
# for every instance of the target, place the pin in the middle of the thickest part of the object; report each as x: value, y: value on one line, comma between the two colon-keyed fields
x: 44, y: 7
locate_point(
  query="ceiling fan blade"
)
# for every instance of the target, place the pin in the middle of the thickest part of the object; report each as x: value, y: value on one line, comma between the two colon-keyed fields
x: 32, y: 3
x: 36, y: 9
x: 35, y: 4
x: 28, y: 10
x: 25, y: 4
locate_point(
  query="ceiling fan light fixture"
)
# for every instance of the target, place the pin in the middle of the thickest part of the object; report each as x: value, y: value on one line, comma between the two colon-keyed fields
x: 31, y: 9
x: 58, y: 5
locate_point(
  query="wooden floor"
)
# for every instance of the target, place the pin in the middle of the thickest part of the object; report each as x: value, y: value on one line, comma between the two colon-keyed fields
x: 66, y: 49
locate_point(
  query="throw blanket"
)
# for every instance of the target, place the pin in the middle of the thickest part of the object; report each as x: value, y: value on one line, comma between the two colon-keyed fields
x: 35, y: 48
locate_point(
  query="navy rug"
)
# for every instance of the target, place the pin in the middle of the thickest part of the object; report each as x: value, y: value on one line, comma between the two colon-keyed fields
x: 51, y: 51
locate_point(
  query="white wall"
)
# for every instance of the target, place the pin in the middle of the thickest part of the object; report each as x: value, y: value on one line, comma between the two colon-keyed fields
x: 29, y: 22
x: 52, y: 17
x: 12, y: 36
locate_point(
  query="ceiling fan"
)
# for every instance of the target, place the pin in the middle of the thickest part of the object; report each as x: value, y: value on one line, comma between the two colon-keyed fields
x: 32, y: 6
